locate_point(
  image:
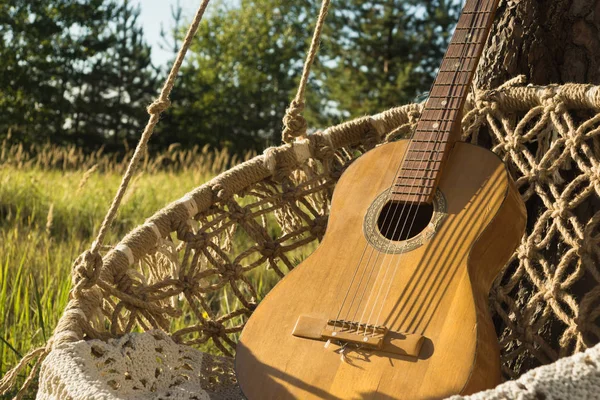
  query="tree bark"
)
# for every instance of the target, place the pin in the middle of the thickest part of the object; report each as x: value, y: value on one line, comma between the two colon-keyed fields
x: 548, y: 41
x: 552, y: 41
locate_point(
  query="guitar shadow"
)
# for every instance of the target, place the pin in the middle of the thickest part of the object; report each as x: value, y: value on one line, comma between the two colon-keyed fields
x: 277, y: 390
x: 417, y: 305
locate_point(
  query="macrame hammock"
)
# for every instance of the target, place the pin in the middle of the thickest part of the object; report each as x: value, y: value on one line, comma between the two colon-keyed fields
x: 139, y: 311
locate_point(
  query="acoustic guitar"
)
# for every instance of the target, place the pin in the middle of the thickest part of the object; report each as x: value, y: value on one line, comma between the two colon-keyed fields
x: 393, y: 303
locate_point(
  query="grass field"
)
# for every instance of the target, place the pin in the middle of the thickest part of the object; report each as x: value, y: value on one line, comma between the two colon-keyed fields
x: 52, y: 201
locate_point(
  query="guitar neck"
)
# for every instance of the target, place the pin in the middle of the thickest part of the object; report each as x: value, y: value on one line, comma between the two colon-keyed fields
x: 439, y: 125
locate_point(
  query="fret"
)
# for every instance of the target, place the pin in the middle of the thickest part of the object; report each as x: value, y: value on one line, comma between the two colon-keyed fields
x: 415, y: 183
x: 427, y: 150
x: 405, y: 169
x: 423, y: 146
x: 440, y: 99
x: 423, y: 156
x: 412, y: 174
x: 462, y: 51
x: 469, y: 28
x: 463, y: 77
x: 443, y: 108
x: 467, y: 36
x: 415, y: 189
x: 442, y: 84
x: 429, y: 137
x: 435, y: 128
x: 473, y: 19
x: 436, y: 119
x: 417, y: 155
x: 475, y: 12
x: 409, y: 198
x: 448, y: 91
x: 460, y: 57
x: 465, y: 42
x: 407, y: 180
x: 438, y: 122
x: 420, y: 165
x: 471, y: 4
x: 453, y: 66
x: 435, y: 155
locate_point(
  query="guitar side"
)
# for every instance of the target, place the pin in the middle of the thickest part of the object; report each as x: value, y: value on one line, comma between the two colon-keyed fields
x: 439, y: 291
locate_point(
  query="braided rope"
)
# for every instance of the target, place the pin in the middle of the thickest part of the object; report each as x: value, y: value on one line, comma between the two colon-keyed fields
x: 294, y: 123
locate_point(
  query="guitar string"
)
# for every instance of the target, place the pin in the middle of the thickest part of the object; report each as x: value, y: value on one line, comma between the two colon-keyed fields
x: 464, y: 54
x: 362, y: 257
x: 358, y: 288
x: 395, y: 230
x: 368, y: 260
x: 473, y: 33
x: 372, y: 250
x: 436, y: 142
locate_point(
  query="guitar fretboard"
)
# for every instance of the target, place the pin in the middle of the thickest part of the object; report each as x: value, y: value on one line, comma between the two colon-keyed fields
x: 440, y: 119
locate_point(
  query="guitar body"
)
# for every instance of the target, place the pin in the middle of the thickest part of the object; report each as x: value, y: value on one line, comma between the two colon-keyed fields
x: 439, y: 291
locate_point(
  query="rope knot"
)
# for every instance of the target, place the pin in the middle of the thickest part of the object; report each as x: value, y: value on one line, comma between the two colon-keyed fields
x: 294, y: 123
x: 318, y: 226
x: 221, y: 192
x: 321, y: 147
x: 552, y: 292
x: 214, y: 328
x: 86, y: 270
x: 372, y: 137
x: 239, y: 214
x: 199, y: 240
x: 528, y: 334
x: 158, y: 106
x: 231, y: 270
x: 560, y: 210
x: 526, y: 252
x: 271, y: 249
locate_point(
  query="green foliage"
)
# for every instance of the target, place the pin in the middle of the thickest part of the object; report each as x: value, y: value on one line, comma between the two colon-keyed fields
x: 384, y: 53
x: 240, y: 74
x: 72, y: 71
x: 80, y: 72
x: 244, y: 67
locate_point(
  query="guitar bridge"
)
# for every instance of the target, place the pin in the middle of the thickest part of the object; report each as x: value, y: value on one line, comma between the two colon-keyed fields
x: 376, y: 338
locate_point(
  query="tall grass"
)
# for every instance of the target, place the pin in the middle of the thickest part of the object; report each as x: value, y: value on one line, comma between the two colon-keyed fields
x: 52, y: 200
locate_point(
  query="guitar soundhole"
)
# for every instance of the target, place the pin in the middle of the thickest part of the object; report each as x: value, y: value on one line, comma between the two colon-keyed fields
x: 401, y: 221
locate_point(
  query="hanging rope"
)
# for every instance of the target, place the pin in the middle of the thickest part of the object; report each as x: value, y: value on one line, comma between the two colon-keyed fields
x: 293, y: 121
x: 86, y: 269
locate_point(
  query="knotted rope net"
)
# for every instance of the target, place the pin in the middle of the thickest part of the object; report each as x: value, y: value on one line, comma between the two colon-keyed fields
x: 190, y: 275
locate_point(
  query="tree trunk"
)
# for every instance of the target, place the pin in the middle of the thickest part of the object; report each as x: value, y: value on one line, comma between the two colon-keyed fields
x: 548, y: 41
x: 555, y: 41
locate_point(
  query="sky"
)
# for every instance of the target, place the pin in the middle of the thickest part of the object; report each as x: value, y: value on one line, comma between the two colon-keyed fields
x: 157, y: 12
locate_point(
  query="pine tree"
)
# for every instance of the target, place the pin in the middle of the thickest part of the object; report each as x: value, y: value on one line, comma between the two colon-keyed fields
x: 114, y: 94
x: 240, y: 74
x: 244, y: 68
x: 384, y: 53
x: 72, y: 71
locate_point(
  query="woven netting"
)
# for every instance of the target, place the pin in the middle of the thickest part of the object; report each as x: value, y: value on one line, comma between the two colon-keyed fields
x: 197, y: 268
